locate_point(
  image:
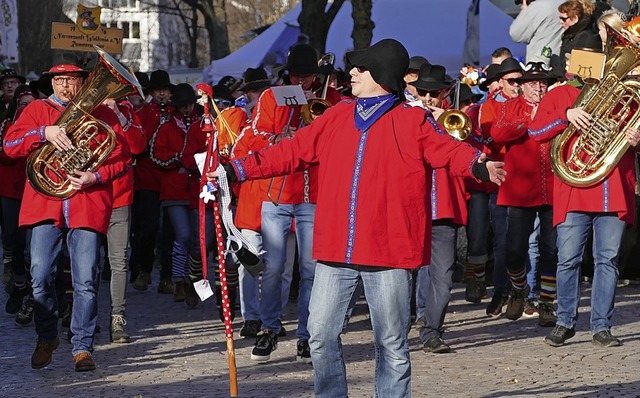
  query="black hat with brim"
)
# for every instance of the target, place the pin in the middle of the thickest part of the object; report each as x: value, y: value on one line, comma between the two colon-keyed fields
x: 386, y: 60
x: 11, y: 73
x: 302, y: 60
x: 509, y: 65
x: 183, y: 94
x: 536, y: 71
x: 159, y: 79
x: 431, y: 78
x: 255, y: 79
x: 416, y: 62
x: 491, y: 77
x: 466, y: 94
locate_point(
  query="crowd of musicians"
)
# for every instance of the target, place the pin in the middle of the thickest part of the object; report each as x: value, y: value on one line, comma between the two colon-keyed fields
x: 365, y: 196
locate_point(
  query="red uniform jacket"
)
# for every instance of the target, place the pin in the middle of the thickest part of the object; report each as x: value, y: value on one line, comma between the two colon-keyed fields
x: 374, y: 205
x: 12, y: 174
x: 123, y: 187
x: 252, y: 193
x: 614, y: 194
x: 487, y: 116
x: 196, y: 143
x: 530, y: 179
x: 269, y: 120
x: 146, y: 173
x: 169, y: 145
x: 89, y: 208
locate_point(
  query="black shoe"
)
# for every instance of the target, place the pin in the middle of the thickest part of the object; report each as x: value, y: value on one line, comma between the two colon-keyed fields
x: 25, y: 315
x: 14, y: 303
x: 604, y: 338
x: 559, y: 335
x: 303, y: 354
x: 475, y: 290
x: 283, y: 331
x: 498, y: 300
x: 436, y: 345
x: 266, y: 343
x: 250, y: 328
x: 515, y: 303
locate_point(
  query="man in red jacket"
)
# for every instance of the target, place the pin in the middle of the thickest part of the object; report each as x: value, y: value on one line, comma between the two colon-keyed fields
x: 528, y: 193
x: 375, y: 156
x: 79, y: 220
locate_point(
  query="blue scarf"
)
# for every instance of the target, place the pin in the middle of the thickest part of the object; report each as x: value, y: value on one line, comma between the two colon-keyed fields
x: 55, y: 99
x: 368, y: 110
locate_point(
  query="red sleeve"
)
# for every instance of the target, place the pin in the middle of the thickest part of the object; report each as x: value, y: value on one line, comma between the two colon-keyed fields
x: 511, y: 122
x: 120, y: 159
x: 551, y: 117
x: 133, y: 129
x: 27, y: 133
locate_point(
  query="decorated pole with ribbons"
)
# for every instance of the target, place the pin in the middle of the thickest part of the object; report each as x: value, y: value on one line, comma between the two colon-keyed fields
x: 212, y: 161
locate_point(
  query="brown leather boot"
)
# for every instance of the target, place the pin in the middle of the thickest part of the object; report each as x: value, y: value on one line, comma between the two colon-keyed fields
x: 42, y: 354
x: 84, y: 362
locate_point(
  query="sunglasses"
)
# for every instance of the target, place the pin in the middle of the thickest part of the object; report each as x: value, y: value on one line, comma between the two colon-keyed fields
x: 432, y: 93
x: 512, y: 82
x: 361, y: 69
x: 223, y: 102
x: 564, y: 19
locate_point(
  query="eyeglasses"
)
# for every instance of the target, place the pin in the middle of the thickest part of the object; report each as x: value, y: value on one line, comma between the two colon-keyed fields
x: 564, y: 19
x: 541, y: 83
x: 361, y: 69
x: 432, y: 93
x: 225, y: 103
x: 60, y: 80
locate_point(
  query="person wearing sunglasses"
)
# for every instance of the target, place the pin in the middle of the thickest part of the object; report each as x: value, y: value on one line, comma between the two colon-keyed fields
x: 375, y: 156
x: 575, y: 20
x: 507, y: 74
x: 79, y: 221
x: 528, y: 166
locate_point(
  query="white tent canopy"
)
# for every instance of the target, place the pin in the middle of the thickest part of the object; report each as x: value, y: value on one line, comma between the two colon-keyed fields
x: 435, y: 29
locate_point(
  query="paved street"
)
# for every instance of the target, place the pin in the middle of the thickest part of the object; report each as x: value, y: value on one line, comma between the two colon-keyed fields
x: 176, y: 352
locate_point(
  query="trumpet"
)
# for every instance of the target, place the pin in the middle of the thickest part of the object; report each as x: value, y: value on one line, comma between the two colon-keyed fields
x: 457, y: 123
x: 316, y: 106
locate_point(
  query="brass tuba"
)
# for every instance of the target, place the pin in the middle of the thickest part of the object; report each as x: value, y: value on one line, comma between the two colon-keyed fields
x: 316, y: 106
x: 585, y: 158
x: 457, y: 123
x: 48, y: 168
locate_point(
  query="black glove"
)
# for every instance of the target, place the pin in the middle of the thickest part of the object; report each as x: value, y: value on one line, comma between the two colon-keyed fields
x: 231, y: 172
x: 480, y: 171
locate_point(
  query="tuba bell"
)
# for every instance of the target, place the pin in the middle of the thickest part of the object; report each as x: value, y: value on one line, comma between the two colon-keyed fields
x: 48, y: 168
x: 457, y: 123
x: 316, y: 106
x: 585, y: 158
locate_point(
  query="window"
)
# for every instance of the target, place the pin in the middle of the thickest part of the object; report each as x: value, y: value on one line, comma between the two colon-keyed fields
x: 135, y: 30
x: 125, y: 30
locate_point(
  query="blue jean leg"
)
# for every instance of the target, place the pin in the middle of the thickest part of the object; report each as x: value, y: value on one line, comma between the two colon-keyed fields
x: 388, y: 293
x: 46, y: 246
x: 478, y: 227
x: 305, y: 215
x: 275, y: 228
x: 608, y: 230
x: 533, y: 258
x: 249, y: 287
x: 84, y: 246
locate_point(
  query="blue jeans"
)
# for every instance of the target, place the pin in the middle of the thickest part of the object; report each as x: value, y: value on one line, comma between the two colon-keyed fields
x: 478, y: 227
x: 572, y: 237
x: 83, y: 246
x: 388, y: 293
x: 501, y: 281
x: 275, y: 228
x: 443, y: 260
x: 533, y: 258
